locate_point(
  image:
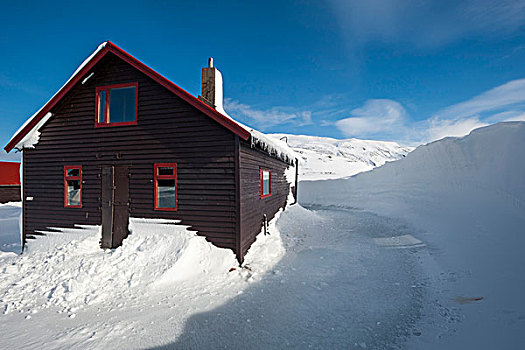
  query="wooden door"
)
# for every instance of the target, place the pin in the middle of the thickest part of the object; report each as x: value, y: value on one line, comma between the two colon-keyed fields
x: 115, y: 205
x: 120, y: 204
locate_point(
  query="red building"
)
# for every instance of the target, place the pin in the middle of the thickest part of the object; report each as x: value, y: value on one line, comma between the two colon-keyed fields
x: 9, y: 182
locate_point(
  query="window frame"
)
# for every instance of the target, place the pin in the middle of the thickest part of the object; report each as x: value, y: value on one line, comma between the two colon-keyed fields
x: 156, y: 177
x: 66, y: 178
x: 262, y: 170
x: 106, y: 89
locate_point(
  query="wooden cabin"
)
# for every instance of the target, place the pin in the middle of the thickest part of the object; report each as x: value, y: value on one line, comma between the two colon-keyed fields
x: 119, y: 140
x: 9, y: 182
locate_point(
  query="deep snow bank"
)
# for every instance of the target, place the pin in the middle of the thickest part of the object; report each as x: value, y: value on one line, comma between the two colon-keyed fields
x: 468, y: 194
x: 487, y: 163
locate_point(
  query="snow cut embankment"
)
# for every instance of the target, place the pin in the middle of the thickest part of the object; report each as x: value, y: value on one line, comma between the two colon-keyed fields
x: 467, y: 195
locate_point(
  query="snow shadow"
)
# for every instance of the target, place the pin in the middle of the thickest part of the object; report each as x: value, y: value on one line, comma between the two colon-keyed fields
x: 334, y: 288
x: 9, y: 228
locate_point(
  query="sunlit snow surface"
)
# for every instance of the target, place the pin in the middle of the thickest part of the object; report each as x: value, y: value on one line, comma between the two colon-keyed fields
x: 422, y: 253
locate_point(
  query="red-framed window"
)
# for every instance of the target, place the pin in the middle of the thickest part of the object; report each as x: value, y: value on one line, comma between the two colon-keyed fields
x: 266, y: 183
x: 117, y: 104
x: 165, y: 183
x: 73, y: 186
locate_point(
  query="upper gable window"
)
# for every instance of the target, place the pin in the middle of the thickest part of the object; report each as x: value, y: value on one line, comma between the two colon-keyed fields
x: 116, y: 104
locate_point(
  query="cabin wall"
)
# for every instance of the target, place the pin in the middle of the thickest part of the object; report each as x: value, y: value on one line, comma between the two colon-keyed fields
x: 168, y: 130
x: 252, y: 206
x: 9, y: 193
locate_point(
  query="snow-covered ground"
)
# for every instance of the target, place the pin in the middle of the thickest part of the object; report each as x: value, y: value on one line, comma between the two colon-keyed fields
x: 71, y: 294
x: 327, y: 158
x: 424, y: 252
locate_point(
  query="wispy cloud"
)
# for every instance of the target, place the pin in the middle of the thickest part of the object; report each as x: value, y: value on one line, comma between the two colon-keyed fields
x: 389, y: 119
x: 426, y: 23
x: 508, y: 95
x: 502, y: 103
x: 266, y: 118
x: 376, y: 117
x: 439, y: 128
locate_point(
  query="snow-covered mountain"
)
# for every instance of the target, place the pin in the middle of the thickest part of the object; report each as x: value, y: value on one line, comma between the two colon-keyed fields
x: 328, y: 158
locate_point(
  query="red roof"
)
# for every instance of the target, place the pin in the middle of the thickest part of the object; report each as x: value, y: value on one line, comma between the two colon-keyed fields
x: 230, y: 124
x: 9, y: 173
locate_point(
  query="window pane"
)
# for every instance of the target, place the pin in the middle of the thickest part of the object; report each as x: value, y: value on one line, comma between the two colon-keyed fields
x: 165, y: 193
x: 122, y: 105
x: 266, y: 182
x: 73, y: 192
x: 73, y: 172
x: 101, y: 106
x: 165, y: 171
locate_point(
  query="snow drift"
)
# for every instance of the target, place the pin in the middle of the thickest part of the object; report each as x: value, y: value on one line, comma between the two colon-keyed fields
x: 468, y: 195
x: 66, y: 269
x: 485, y: 162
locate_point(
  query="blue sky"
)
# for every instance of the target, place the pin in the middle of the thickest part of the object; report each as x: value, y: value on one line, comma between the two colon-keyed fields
x: 411, y: 71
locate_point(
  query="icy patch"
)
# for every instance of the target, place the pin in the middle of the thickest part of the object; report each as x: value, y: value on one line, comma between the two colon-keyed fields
x: 404, y: 241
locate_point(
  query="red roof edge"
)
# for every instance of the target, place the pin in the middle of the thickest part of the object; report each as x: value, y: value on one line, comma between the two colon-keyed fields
x: 110, y: 47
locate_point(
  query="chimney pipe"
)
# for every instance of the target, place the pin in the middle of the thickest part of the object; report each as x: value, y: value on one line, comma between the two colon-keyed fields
x: 212, y: 87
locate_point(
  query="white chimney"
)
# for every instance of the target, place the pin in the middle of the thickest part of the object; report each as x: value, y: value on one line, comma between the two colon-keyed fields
x: 212, y: 86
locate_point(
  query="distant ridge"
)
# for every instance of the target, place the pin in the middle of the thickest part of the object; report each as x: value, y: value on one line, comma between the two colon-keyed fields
x: 329, y: 158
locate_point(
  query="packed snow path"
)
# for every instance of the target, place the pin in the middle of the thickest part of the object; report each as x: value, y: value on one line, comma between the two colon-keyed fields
x: 334, y: 288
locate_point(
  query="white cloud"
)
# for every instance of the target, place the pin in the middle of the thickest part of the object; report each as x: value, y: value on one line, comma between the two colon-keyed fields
x: 504, y: 96
x: 376, y: 117
x: 502, y: 103
x: 388, y: 119
x: 438, y: 129
x: 264, y: 119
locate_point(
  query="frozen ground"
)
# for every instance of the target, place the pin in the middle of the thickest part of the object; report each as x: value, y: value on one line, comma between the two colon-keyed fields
x: 423, y: 253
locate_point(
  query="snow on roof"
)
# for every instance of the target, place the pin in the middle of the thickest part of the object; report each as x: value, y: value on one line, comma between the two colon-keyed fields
x: 274, y: 147
x: 270, y: 145
x: 31, y: 138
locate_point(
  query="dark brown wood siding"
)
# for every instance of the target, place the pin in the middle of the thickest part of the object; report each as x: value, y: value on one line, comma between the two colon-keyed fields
x: 252, y: 206
x: 168, y: 130
x: 9, y: 193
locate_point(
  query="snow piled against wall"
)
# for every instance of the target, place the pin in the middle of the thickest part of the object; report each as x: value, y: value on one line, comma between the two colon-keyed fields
x: 66, y: 269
